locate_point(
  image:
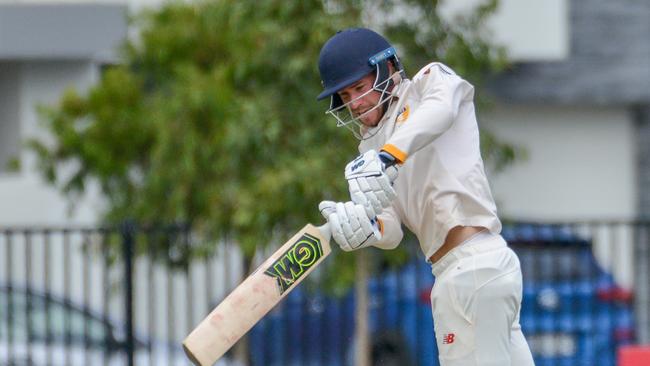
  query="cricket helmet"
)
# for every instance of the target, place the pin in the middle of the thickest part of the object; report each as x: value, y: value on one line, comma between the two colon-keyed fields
x: 350, y: 55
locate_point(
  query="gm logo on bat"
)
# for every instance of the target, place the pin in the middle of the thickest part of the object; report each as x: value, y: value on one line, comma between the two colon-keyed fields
x: 297, y: 260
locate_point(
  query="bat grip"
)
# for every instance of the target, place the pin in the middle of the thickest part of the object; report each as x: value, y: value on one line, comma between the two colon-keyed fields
x: 326, y: 231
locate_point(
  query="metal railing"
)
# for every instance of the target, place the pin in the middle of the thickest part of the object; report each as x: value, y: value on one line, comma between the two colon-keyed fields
x: 107, y: 296
x: 101, y: 296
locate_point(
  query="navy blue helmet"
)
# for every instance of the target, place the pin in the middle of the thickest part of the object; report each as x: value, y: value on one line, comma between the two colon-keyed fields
x: 350, y: 55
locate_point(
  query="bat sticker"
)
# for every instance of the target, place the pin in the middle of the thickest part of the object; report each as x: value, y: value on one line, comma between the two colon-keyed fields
x: 297, y: 260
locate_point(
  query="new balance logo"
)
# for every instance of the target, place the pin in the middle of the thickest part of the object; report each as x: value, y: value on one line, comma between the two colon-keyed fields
x: 448, y: 338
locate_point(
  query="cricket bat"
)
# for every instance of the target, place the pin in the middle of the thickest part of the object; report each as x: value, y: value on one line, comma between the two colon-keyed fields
x: 257, y: 295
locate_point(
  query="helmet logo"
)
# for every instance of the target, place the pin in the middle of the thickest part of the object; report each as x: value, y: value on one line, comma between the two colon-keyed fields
x: 381, y: 56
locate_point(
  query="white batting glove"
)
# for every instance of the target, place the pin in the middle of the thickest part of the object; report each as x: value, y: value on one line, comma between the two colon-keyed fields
x: 370, y: 178
x: 350, y: 226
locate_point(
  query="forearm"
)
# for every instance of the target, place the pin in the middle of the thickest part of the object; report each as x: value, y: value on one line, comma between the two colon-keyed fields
x: 430, y: 120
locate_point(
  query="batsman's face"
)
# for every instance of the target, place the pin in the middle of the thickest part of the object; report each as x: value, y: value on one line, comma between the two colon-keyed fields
x: 362, y: 99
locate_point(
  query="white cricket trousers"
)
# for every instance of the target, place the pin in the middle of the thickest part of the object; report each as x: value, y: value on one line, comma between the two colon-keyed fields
x: 476, y: 300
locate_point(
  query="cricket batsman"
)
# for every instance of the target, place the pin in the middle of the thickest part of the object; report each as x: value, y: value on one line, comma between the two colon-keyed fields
x: 420, y: 166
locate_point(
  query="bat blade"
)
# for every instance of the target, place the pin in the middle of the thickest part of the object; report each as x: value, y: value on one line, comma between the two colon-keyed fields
x: 257, y: 295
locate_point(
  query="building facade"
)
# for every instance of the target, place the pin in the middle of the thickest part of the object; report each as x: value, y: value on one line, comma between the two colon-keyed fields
x: 46, y: 48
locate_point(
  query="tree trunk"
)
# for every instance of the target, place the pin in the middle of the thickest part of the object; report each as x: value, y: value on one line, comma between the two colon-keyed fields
x: 362, y: 331
x: 241, y: 348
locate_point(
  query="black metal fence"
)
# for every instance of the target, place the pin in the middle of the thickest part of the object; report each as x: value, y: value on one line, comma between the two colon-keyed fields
x: 104, y: 296
x: 99, y: 296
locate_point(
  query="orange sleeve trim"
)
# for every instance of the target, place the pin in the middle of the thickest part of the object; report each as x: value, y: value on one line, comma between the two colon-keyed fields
x: 397, y: 153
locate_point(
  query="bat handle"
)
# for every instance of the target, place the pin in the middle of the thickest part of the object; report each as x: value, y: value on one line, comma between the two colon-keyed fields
x: 326, y: 231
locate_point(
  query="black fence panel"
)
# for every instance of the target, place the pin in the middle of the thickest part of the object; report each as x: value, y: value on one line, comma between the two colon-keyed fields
x: 112, y: 296
x: 90, y: 296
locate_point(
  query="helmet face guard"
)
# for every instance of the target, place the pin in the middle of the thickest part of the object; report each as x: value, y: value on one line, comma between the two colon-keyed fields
x: 346, y: 58
x: 346, y: 118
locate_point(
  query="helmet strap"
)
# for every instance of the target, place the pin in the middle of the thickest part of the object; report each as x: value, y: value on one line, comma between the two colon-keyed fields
x: 335, y: 101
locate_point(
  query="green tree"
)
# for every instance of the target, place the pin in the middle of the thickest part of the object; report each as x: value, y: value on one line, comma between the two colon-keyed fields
x: 210, y: 116
x: 210, y: 119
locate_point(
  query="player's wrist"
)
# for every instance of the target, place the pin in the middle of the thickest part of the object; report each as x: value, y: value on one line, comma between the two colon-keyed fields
x: 387, y: 159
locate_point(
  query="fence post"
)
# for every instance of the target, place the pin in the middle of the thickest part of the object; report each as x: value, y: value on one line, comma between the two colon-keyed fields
x: 362, y: 356
x: 127, y: 231
x: 641, y: 285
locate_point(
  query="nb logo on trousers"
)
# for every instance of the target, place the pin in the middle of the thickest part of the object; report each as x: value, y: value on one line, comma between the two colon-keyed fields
x: 448, y: 338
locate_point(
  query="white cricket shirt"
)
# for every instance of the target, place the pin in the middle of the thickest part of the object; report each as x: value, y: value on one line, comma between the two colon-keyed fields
x: 431, y: 129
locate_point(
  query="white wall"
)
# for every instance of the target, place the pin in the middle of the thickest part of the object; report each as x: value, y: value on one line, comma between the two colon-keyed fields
x: 580, y: 162
x: 24, y: 197
x: 133, y: 5
x: 531, y: 30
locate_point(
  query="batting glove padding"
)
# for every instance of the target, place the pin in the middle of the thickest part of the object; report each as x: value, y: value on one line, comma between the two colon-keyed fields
x: 350, y: 225
x: 369, y: 183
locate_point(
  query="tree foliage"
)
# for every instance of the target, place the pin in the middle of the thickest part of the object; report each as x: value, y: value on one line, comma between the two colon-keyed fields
x: 210, y: 117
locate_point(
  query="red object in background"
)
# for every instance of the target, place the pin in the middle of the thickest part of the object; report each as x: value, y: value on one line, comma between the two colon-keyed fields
x: 614, y: 294
x: 634, y: 356
x: 425, y: 296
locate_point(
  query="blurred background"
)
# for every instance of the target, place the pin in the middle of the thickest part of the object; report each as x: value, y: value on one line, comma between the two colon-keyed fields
x: 153, y: 153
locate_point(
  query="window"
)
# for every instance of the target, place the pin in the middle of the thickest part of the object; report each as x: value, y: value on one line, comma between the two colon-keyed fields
x: 9, y: 114
x: 30, y: 316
